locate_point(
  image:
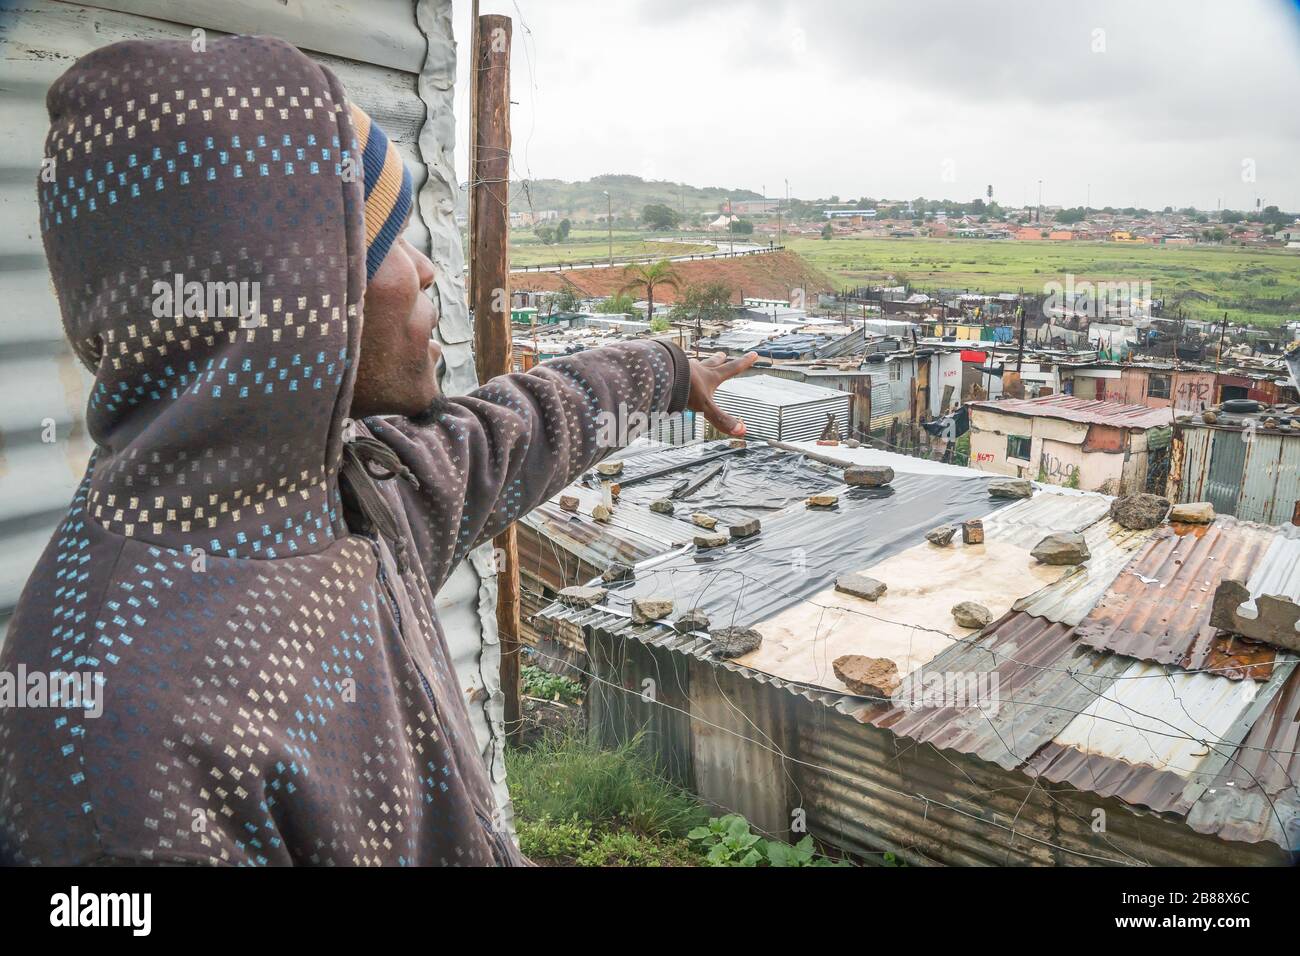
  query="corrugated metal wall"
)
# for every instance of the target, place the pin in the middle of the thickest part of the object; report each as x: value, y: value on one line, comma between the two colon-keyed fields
x: 802, y: 422
x: 397, y: 59
x: 1256, y: 480
x: 868, y: 792
x: 750, y: 746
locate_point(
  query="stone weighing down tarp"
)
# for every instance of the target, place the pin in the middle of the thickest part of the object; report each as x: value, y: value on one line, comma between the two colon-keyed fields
x: 800, y: 550
x: 910, y: 623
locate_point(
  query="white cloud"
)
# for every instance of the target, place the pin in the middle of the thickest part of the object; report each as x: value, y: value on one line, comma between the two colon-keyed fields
x: 1160, y: 107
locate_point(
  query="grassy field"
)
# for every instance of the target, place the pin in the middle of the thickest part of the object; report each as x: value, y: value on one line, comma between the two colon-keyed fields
x: 1256, y: 285
x: 585, y: 245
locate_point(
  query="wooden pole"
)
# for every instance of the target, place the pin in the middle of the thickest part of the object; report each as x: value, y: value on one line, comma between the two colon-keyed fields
x: 1020, y: 351
x: 490, y: 296
x: 473, y: 138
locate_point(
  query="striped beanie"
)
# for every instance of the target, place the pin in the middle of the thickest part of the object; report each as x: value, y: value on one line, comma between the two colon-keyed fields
x: 387, y: 187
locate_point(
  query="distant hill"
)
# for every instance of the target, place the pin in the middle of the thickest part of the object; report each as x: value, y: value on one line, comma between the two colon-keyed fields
x: 628, y: 194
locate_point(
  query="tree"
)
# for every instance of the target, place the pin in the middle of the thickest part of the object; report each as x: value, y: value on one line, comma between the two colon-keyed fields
x: 638, y: 276
x: 741, y: 227
x: 1275, y: 217
x: 545, y: 233
x: 658, y: 216
x: 618, y: 304
x: 1230, y: 215
x: 827, y: 231
x: 567, y: 299
x: 562, y: 230
x: 707, y: 301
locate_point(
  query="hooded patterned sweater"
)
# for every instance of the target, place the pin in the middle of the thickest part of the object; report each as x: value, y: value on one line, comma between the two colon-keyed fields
x: 273, y: 685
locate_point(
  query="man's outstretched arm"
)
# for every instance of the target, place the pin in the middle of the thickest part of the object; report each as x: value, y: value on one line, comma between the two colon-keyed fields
x: 487, y: 458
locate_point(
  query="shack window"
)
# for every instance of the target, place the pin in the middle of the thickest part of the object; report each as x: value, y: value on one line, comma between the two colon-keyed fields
x: 895, y: 372
x: 1158, y: 386
x: 1018, y: 447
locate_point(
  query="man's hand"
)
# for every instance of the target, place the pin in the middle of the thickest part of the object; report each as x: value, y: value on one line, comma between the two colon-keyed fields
x: 706, y: 375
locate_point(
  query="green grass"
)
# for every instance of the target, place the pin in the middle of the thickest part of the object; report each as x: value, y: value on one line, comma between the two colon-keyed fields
x: 576, y: 844
x: 579, y: 805
x: 1252, y: 285
x: 587, y: 245
x: 571, y: 780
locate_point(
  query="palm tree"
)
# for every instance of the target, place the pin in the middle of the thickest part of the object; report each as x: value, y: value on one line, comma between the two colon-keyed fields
x: 638, y: 276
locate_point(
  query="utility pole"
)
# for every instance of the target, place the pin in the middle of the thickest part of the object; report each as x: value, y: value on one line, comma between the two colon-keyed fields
x: 490, y: 295
x: 1020, y: 352
x: 778, y: 212
x: 473, y: 138
x: 609, y: 223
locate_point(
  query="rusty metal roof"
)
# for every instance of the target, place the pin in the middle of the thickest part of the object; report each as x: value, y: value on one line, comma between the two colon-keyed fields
x: 1043, y: 678
x: 1073, y: 597
x: 1158, y: 608
x: 1083, y: 410
x: 1256, y: 796
x: 1173, y: 741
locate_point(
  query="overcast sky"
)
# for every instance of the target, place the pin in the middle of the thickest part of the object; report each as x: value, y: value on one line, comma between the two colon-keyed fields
x: 1153, y: 103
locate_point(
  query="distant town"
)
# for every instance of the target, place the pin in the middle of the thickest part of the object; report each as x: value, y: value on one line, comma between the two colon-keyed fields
x: 865, y: 310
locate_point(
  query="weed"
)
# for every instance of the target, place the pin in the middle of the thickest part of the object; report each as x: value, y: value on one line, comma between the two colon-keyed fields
x: 728, y: 841
x: 542, y: 683
x: 571, y: 778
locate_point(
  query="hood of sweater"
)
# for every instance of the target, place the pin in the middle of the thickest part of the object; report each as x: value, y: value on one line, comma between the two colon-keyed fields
x: 202, y: 213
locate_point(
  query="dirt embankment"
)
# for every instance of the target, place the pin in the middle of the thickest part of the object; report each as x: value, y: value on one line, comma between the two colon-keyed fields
x: 769, y: 275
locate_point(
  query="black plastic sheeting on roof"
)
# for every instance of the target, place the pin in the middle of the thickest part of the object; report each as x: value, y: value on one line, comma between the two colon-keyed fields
x: 736, y: 484
x: 801, y: 552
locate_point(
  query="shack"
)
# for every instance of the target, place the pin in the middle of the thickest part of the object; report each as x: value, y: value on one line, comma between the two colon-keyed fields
x: 1244, y: 457
x: 1071, y: 441
x: 773, y: 407
x: 1074, y: 705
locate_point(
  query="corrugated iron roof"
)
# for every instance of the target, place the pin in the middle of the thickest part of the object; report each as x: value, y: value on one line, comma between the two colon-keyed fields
x: 1169, y: 740
x: 1070, y: 599
x: 1278, y: 571
x: 1158, y: 608
x: 1255, y: 796
x: 1043, y: 678
x: 1086, y: 411
x: 1047, y: 682
x: 1159, y: 717
x: 1028, y: 521
x: 776, y: 391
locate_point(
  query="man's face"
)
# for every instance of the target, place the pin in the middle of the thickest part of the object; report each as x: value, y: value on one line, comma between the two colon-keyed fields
x: 397, y: 374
